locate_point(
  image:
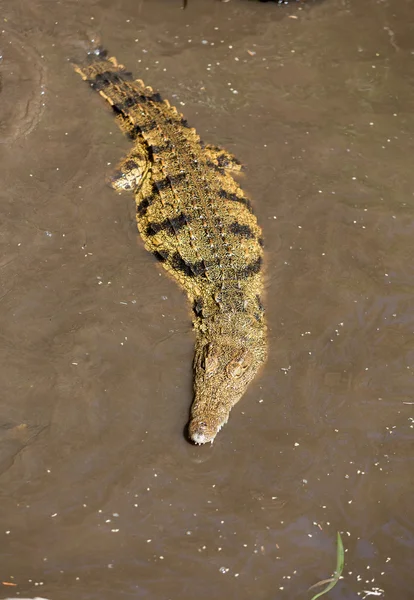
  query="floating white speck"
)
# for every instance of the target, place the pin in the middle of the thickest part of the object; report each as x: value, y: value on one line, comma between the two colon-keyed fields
x: 374, y: 592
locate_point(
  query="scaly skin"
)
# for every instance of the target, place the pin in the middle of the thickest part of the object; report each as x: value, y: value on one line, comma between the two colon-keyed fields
x: 195, y: 219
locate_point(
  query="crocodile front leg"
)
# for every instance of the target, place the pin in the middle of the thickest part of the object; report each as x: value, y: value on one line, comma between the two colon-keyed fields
x: 131, y: 172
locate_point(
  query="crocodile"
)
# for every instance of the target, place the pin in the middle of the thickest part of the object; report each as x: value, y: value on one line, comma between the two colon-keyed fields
x: 195, y: 219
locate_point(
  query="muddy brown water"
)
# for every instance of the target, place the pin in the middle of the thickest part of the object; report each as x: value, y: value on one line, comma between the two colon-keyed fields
x: 101, y: 496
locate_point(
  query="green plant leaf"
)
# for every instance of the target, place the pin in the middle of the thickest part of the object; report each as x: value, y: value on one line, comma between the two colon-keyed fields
x: 340, y: 560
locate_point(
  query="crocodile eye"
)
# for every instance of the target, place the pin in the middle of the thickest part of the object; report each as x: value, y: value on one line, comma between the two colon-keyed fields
x: 210, y: 361
x: 239, y: 364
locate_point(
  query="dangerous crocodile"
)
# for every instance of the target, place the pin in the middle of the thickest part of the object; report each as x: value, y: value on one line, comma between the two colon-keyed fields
x: 195, y: 219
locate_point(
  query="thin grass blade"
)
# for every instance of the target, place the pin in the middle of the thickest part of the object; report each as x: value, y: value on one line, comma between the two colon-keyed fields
x: 340, y: 560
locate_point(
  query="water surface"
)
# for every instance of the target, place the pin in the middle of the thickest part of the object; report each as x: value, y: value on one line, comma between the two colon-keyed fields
x: 101, y: 495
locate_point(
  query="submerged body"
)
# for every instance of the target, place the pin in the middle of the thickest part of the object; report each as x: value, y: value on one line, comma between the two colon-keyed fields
x: 194, y: 218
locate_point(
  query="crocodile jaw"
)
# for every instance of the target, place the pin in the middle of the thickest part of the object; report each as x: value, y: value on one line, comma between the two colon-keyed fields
x: 199, y: 436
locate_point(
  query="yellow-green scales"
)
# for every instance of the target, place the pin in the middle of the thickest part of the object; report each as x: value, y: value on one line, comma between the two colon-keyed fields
x: 194, y: 218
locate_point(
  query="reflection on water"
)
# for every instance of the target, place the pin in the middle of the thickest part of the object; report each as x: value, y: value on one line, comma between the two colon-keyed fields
x: 101, y: 495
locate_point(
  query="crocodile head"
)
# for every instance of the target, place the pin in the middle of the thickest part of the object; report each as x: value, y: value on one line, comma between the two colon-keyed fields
x: 224, y: 366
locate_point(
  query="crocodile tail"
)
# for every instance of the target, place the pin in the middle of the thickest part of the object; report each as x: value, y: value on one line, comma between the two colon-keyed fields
x: 116, y: 84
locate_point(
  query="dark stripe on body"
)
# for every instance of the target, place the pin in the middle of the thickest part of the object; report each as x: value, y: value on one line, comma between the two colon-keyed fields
x: 155, y: 97
x: 150, y: 126
x: 215, y: 167
x: 170, y: 226
x: 107, y: 78
x: 161, y: 255
x: 170, y: 181
x: 249, y: 270
x: 196, y: 269
x: 145, y: 203
x: 162, y: 184
x: 135, y: 99
x: 176, y: 179
x: 125, y: 105
x: 136, y: 130
x: 130, y: 165
x: 235, y: 198
x: 157, y: 149
x: 157, y: 186
x: 153, y: 150
x: 224, y: 161
x: 242, y: 230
